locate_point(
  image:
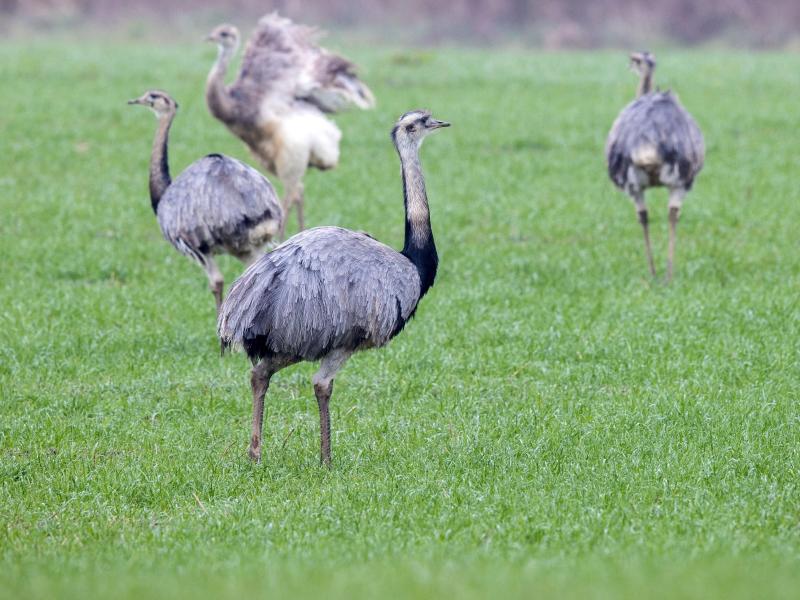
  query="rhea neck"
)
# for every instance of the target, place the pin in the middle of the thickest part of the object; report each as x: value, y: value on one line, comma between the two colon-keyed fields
x: 217, y: 96
x: 160, y: 179
x: 645, y: 82
x: 419, y: 246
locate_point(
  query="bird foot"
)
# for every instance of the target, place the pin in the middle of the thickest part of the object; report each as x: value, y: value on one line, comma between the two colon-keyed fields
x: 254, y: 454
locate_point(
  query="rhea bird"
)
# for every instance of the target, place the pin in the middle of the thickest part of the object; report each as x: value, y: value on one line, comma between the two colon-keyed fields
x: 278, y: 104
x: 654, y: 142
x: 329, y: 292
x: 217, y: 205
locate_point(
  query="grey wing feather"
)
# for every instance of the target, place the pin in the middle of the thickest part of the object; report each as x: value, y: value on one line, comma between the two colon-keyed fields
x: 214, y: 205
x: 284, y: 62
x: 323, y: 289
x: 652, y: 132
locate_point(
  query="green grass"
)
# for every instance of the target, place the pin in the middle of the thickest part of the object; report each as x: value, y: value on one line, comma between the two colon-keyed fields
x: 551, y: 423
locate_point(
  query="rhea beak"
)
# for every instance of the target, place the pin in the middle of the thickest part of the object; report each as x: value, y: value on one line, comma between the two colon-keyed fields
x: 136, y: 101
x: 436, y: 124
x: 209, y: 38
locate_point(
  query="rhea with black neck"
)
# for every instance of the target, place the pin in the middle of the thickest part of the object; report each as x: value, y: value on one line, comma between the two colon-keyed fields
x: 419, y: 246
x: 344, y: 292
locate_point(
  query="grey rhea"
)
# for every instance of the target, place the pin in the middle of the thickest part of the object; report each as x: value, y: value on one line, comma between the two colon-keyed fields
x: 277, y: 106
x: 654, y: 142
x: 329, y: 292
x: 217, y: 205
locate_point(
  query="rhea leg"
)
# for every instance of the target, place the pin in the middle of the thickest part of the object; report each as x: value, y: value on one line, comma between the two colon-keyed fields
x: 260, y: 377
x: 286, y: 204
x: 290, y: 169
x: 215, y: 280
x: 299, y: 200
x: 216, y: 285
x: 293, y: 197
x: 323, y: 388
x: 641, y: 209
x: 675, y: 203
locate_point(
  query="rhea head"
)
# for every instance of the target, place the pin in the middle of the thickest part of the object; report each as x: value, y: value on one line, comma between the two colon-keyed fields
x: 225, y: 36
x: 159, y: 102
x: 643, y: 63
x: 413, y: 127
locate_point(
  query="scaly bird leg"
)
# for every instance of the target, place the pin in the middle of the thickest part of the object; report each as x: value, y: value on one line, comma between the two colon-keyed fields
x: 323, y: 394
x: 323, y: 388
x: 215, y: 280
x: 675, y: 203
x: 674, y: 214
x: 282, y: 231
x: 216, y: 284
x: 259, y: 382
x: 217, y: 290
x: 646, y: 229
x: 641, y: 209
x: 299, y: 199
x: 260, y: 377
x: 286, y: 205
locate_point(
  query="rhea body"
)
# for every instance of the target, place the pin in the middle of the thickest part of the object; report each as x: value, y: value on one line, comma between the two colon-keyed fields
x: 654, y: 142
x: 217, y: 205
x: 328, y: 292
x: 278, y: 104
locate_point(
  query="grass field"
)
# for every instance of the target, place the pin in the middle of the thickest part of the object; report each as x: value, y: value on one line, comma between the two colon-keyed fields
x: 551, y: 423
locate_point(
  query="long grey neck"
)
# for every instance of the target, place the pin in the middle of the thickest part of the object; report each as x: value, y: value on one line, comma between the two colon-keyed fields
x: 645, y: 83
x: 419, y: 246
x: 159, y: 161
x: 217, y: 96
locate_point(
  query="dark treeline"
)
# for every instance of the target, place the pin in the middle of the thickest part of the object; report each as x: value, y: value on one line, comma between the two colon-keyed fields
x: 552, y: 23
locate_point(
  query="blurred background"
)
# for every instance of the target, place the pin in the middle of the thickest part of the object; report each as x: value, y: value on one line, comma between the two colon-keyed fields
x: 542, y: 23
